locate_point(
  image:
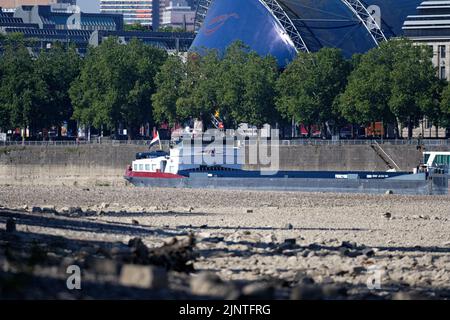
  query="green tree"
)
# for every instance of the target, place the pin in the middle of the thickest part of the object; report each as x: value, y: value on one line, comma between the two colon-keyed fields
x: 239, y: 85
x: 198, y: 90
x: 365, y: 99
x: 247, y: 86
x: 393, y: 84
x: 413, y: 79
x: 58, y: 68
x: 91, y: 92
x: 22, y: 92
x: 116, y: 84
x: 135, y: 27
x: 433, y: 110
x: 307, y: 89
x: 170, y: 29
x: 168, y: 82
x: 445, y: 107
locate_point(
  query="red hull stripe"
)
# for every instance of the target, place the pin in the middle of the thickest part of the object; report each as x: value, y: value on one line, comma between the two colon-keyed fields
x: 153, y: 175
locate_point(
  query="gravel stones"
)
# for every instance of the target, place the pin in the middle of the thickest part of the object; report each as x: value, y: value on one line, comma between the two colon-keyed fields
x: 307, y: 292
x: 209, y: 284
x: 258, y: 291
x: 146, y: 277
x: 248, y: 256
x: 387, y: 215
x: 289, y: 226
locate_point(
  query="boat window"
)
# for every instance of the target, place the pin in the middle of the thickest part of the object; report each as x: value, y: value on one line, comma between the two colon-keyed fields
x: 135, y: 167
x: 426, y: 158
x: 147, y: 167
x: 153, y: 167
x: 141, y: 167
x: 443, y: 160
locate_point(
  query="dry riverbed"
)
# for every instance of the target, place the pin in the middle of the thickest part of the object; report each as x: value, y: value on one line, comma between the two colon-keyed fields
x: 142, y: 243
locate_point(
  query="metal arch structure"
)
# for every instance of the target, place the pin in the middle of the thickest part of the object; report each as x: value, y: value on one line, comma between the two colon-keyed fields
x: 291, y: 30
x: 355, y: 6
x: 273, y: 7
x: 369, y: 22
x: 200, y: 13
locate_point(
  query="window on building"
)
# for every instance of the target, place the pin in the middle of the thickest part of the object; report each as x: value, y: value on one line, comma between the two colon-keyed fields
x: 443, y: 73
x: 442, y: 52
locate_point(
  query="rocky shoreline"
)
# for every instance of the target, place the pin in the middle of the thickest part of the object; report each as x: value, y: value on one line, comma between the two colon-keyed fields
x: 201, y: 244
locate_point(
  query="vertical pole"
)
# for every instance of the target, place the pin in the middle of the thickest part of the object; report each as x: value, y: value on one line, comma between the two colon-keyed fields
x: 293, y: 127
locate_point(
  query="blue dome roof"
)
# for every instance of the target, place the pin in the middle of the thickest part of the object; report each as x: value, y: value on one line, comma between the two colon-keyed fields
x: 319, y: 23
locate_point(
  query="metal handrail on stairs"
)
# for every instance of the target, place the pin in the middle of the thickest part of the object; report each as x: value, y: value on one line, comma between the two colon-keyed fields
x: 387, y: 156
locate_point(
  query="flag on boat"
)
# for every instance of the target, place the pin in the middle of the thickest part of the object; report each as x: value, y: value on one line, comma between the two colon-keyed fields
x: 155, y: 139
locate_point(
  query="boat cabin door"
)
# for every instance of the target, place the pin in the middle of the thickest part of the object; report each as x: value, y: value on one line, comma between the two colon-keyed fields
x: 163, y: 165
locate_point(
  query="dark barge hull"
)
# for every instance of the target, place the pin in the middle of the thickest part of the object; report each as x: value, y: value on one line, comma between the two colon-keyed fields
x: 407, y: 185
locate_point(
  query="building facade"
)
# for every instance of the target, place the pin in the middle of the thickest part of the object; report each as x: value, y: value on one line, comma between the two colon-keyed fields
x: 178, y: 14
x: 44, y: 27
x: 430, y: 25
x: 133, y: 11
x: 151, y: 13
x: 12, y: 4
x: 46, y: 18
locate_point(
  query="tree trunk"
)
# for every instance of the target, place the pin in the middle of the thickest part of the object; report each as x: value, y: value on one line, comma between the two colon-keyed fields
x: 293, y: 128
x: 88, y: 132
x: 324, y: 131
x: 397, y: 129
x: 410, y: 128
x: 130, y: 133
x: 423, y: 128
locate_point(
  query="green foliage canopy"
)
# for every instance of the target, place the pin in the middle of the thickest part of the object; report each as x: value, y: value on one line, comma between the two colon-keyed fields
x: 395, y: 83
x: 115, y: 85
x: 308, y: 87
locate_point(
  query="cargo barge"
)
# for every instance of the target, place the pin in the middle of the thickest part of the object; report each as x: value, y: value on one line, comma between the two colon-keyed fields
x: 188, y: 168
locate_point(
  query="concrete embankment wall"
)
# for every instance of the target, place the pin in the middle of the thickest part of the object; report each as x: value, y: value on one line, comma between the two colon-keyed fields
x: 349, y: 157
x: 68, y: 165
x: 105, y: 164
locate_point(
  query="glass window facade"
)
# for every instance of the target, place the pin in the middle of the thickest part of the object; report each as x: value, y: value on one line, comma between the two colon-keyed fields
x: 133, y: 11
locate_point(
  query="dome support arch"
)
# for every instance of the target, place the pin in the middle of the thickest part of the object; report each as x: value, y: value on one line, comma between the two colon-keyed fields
x: 289, y: 27
x: 369, y: 22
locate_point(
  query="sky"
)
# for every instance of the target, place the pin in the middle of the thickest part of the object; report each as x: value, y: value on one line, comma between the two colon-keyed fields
x: 89, y: 5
